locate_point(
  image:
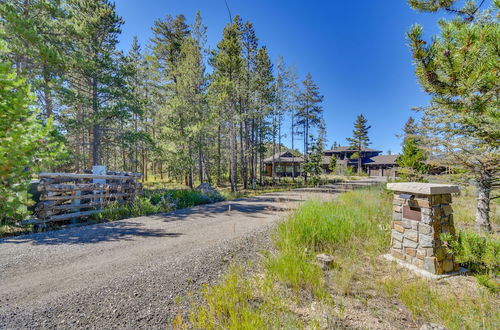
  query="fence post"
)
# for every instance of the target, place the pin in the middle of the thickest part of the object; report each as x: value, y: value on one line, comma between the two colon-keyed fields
x: 98, y: 170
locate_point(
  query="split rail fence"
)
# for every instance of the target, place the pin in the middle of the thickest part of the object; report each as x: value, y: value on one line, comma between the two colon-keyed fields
x: 67, y: 196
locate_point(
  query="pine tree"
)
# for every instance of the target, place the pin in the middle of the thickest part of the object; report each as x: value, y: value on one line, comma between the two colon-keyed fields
x: 412, y: 161
x: 359, y: 139
x: 310, y: 112
x: 135, y: 136
x: 97, y: 70
x: 312, y: 166
x: 228, y: 64
x: 24, y: 141
x: 410, y: 129
x: 247, y: 105
x: 168, y: 35
x: 459, y: 69
x: 38, y: 35
x: 293, y: 107
x: 332, y: 164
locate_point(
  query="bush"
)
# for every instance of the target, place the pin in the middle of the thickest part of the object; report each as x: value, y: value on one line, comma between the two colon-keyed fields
x: 475, y: 252
x: 155, y: 201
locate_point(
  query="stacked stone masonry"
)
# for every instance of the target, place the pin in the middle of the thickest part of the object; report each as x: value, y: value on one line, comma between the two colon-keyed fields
x: 417, y: 224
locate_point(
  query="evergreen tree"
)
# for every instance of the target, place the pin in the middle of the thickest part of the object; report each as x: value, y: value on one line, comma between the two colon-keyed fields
x: 412, y: 161
x: 332, y: 164
x: 25, y: 142
x: 281, y: 105
x: 97, y: 74
x: 38, y: 35
x: 135, y: 136
x: 293, y: 106
x: 459, y: 69
x: 228, y: 64
x: 310, y: 112
x: 168, y: 36
x: 247, y: 106
x: 264, y: 86
x: 312, y: 166
x: 359, y: 139
x: 410, y: 129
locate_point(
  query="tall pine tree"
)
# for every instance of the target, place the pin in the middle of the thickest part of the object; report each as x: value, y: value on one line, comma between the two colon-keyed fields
x: 459, y: 69
x: 359, y: 139
x: 310, y: 112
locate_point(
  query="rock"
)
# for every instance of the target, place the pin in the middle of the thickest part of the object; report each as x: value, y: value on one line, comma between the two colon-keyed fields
x: 432, y: 326
x: 210, y: 191
x: 325, y: 260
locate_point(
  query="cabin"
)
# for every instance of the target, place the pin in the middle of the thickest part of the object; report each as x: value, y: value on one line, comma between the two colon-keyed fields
x: 285, y: 165
x: 372, y: 162
x: 382, y: 165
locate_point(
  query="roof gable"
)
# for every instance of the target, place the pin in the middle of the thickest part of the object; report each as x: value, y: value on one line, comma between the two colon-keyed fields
x: 349, y: 149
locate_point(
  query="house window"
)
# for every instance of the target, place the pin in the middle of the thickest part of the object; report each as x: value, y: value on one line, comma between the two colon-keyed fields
x: 289, y: 169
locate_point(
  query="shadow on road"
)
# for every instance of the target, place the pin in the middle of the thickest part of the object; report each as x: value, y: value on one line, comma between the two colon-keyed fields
x: 112, y: 231
x: 257, y: 207
x: 123, y: 230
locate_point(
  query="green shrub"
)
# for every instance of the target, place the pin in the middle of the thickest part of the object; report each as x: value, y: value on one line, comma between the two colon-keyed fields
x: 155, y: 201
x: 477, y: 253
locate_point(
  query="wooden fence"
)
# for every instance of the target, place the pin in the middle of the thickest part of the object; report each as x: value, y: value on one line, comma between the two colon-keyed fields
x: 67, y: 196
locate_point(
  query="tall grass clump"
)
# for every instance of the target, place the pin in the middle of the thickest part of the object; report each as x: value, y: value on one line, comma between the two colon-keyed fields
x: 464, y: 310
x: 240, y: 302
x: 355, y: 223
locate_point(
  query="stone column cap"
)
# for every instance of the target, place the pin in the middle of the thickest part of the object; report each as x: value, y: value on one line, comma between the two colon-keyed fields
x: 423, y: 188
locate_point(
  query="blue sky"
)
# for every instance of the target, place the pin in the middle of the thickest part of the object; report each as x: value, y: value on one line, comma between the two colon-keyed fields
x: 355, y: 50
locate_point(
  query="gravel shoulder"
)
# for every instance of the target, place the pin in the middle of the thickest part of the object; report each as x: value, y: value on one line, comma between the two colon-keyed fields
x: 133, y: 273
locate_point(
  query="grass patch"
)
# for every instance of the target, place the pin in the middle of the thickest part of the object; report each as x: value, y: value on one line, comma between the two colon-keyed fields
x: 240, y: 302
x: 156, y: 201
x: 9, y: 230
x: 355, y: 230
x: 456, y: 307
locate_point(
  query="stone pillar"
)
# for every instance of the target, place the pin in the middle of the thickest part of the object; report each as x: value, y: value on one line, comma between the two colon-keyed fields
x: 421, y: 212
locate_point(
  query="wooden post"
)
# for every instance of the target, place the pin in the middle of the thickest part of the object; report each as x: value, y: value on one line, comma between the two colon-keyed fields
x: 98, y: 170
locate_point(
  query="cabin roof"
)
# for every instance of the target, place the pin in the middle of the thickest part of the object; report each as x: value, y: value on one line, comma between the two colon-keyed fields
x: 284, y: 157
x: 381, y: 160
x: 349, y: 149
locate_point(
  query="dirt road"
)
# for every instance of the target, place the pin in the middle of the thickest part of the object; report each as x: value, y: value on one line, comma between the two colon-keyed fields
x: 133, y: 273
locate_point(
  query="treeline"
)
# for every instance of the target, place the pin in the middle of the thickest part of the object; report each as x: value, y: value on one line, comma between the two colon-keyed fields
x: 172, y: 107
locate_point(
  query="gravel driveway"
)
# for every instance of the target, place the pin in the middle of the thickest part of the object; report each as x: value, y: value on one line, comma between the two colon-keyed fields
x: 133, y: 273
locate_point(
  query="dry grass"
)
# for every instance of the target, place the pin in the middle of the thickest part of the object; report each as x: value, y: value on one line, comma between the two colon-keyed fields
x: 360, y: 291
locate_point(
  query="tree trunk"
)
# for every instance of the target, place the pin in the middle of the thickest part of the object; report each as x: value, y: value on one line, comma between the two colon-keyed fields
x: 359, y: 162
x: 200, y: 161
x: 233, y: 152
x: 219, y: 170
x: 293, y: 150
x: 96, y: 143
x: 243, y: 161
x: 483, y: 204
x: 49, y: 105
x: 191, y: 169
x: 253, y: 155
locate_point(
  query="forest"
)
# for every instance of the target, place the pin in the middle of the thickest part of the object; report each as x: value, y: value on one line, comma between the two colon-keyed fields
x: 170, y: 107
x: 174, y: 109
